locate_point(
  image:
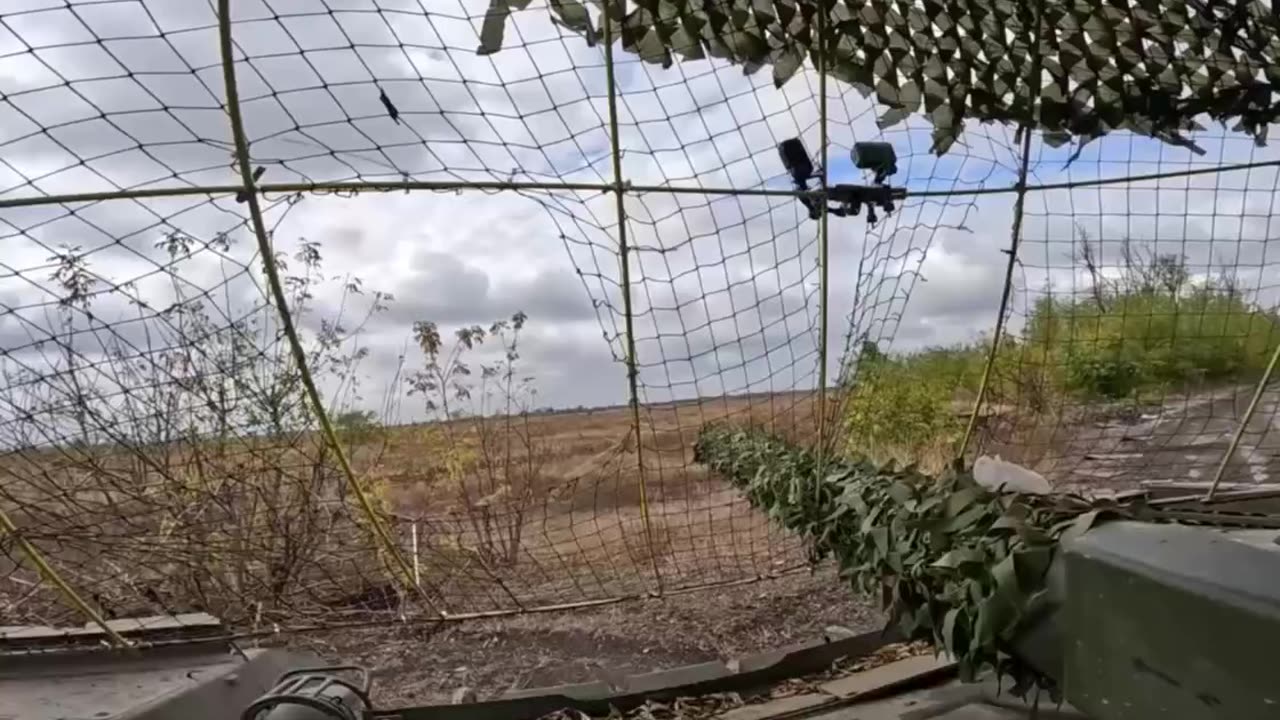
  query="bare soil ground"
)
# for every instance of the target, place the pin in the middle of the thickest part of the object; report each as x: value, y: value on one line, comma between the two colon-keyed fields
x: 1185, y: 437
x: 416, y: 665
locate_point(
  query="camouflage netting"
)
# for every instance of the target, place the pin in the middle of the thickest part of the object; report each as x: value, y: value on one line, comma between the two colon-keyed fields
x: 1145, y: 66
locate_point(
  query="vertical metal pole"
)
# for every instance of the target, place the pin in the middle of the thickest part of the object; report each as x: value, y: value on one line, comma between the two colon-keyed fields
x: 381, y: 536
x: 417, y: 567
x: 1244, y: 423
x: 624, y: 252
x: 1015, y: 241
x: 824, y: 288
x: 48, y: 573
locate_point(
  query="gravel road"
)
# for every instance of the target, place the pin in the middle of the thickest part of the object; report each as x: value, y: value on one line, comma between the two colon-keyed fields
x: 1183, y: 438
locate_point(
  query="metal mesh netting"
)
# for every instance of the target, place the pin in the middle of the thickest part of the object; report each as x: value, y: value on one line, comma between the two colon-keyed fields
x: 521, y: 267
x: 1152, y: 300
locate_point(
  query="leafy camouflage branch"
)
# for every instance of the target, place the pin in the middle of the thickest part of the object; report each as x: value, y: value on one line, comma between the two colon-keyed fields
x: 953, y: 562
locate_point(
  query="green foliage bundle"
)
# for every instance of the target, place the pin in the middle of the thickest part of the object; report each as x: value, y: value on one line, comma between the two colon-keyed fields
x: 1146, y: 328
x: 1121, y: 344
x: 953, y: 562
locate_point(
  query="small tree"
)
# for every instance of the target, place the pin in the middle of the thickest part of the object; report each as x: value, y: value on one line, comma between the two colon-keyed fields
x: 180, y: 463
x: 491, y: 458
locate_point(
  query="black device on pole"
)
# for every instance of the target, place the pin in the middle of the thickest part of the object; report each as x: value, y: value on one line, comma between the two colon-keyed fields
x: 795, y: 158
x: 878, y: 157
x: 846, y: 200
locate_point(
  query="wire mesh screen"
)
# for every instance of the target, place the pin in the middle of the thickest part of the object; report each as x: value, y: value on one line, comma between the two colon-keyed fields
x: 1143, y: 317
x: 318, y: 310
x: 161, y: 452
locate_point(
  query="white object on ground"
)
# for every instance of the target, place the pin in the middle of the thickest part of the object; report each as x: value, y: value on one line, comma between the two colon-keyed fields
x: 1004, y: 476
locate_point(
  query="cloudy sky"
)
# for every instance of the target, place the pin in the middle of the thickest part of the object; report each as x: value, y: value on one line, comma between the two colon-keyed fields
x: 127, y: 94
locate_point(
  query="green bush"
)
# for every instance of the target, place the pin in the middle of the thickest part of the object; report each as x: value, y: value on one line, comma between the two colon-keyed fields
x: 904, y: 405
x: 1139, y: 339
x: 1106, y: 373
x: 1150, y: 331
x: 357, y: 427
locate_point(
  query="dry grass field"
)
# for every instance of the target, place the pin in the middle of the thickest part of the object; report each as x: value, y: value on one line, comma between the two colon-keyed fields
x: 563, y: 519
x: 556, y: 521
x: 495, y: 515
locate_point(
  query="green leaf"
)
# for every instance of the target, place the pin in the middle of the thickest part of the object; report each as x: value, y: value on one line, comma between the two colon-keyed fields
x: 900, y: 492
x: 891, y: 117
x: 870, y: 517
x: 1005, y: 576
x: 1080, y: 526
x: 880, y: 536
x: 651, y: 50
x: 929, y: 503
x: 958, y: 557
x: 958, y: 502
x: 952, y: 626
x: 495, y: 25
x: 996, y: 616
x: 1008, y: 521
x: 966, y: 520
x: 573, y: 15
x: 1031, y: 565
x: 788, y: 61
x: 687, y: 45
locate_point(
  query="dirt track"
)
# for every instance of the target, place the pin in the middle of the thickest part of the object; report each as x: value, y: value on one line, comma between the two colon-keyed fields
x: 1185, y: 438
x: 502, y: 654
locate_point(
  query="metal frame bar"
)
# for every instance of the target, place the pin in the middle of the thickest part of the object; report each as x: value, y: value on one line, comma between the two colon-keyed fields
x: 381, y: 536
x: 824, y: 239
x: 1015, y: 232
x: 497, y: 185
x: 62, y: 586
x: 624, y: 252
x: 1244, y: 423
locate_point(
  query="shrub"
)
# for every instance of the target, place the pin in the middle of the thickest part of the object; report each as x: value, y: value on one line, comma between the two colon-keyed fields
x: 1150, y: 330
x: 897, y: 408
x: 490, y: 459
x: 196, y: 478
x: 357, y: 427
x: 1137, y: 339
x: 904, y: 408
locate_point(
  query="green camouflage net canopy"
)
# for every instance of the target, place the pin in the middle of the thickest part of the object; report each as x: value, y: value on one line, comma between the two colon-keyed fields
x: 1152, y: 67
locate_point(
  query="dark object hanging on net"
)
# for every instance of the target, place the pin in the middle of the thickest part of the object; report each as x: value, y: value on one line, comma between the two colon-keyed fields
x: 243, y: 196
x: 846, y: 200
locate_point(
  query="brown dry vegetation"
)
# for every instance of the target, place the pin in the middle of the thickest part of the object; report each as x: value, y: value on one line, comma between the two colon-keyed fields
x: 582, y: 538
x: 265, y: 531
x: 580, y: 517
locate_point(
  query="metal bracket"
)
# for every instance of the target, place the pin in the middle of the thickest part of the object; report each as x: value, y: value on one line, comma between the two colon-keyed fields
x: 846, y: 200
